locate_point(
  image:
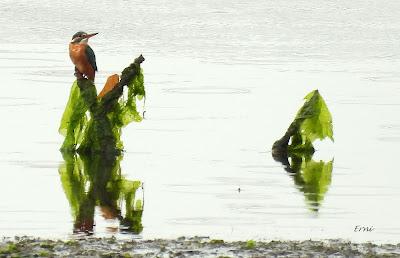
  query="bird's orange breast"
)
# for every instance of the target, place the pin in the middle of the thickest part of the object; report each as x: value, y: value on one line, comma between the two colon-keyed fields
x: 79, y: 59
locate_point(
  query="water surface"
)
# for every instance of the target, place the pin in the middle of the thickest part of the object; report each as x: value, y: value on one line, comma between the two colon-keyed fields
x: 224, y: 80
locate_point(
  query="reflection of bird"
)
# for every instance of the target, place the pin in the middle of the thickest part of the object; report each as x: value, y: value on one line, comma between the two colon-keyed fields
x: 82, y: 55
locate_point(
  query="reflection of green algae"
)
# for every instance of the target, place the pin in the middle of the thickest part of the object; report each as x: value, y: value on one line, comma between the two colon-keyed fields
x: 133, y: 207
x: 96, y: 180
x: 314, y: 179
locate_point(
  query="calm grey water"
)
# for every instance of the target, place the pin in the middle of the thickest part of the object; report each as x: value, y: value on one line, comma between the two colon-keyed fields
x: 224, y: 80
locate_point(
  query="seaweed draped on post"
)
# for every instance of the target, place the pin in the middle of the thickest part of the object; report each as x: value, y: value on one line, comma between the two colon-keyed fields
x: 313, y: 121
x: 92, y: 123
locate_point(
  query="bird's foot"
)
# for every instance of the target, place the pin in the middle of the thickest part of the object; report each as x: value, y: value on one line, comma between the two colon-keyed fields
x: 78, y: 75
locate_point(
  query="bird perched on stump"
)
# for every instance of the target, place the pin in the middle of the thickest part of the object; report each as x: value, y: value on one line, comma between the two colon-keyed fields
x: 82, y: 55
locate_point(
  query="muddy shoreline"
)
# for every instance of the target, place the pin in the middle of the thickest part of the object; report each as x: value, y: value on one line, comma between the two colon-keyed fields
x: 189, y: 247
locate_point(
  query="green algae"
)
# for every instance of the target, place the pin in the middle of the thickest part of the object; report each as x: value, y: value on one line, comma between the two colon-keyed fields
x: 216, y: 241
x: 9, y: 248
x: 314, y: 118
x: 250, y: 244
x: 44, y: 254
x: 91, y: 124
x: 313, y: 121
x: 74, y: 119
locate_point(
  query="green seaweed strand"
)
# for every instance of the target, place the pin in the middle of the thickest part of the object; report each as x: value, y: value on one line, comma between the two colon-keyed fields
x: 74, y: 119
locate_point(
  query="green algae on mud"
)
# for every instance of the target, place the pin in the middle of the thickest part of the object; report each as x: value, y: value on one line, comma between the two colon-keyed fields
x: 190, y: 247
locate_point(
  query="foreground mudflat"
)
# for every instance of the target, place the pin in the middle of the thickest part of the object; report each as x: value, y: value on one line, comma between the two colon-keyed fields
x: 189, y: 247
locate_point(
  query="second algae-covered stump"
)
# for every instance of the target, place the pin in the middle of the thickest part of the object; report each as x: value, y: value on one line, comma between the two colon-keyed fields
x: 313, y: 121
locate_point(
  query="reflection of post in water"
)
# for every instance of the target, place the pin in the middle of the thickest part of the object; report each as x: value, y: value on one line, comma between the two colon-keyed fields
x: 311, y: 177
x: 96, y: 180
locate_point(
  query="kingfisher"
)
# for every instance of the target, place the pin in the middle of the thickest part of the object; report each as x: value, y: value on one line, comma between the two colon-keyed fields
x: 82, y: 55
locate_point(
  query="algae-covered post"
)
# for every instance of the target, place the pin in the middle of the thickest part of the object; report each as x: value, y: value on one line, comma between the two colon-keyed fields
x: 100, y: 130
x: 313, y: 121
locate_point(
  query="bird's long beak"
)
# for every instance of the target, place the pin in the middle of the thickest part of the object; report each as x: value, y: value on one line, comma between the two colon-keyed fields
x: 91, y: 35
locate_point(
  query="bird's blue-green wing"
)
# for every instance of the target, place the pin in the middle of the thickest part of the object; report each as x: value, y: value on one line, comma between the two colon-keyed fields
x: 91, y: 57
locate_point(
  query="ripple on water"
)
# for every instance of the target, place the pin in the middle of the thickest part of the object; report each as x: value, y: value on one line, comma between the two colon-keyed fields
x: 207, y: 91
x: 390, y: 133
